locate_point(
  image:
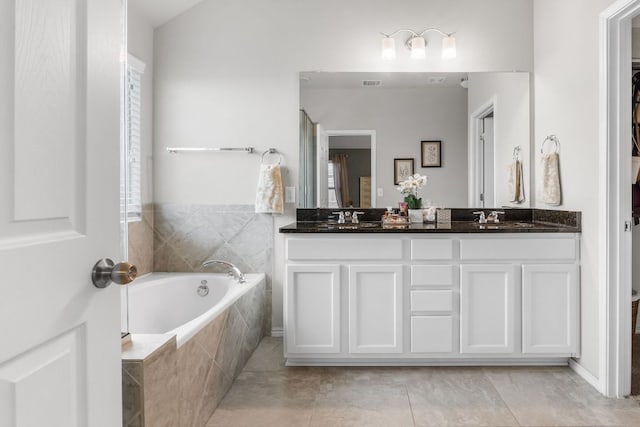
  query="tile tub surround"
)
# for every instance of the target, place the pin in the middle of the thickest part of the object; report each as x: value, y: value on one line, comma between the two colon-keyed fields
x: 282, y: 396
x: 141, y: 241
x: 187, y: 235
x: 204, y: 367
x: 149, y: 376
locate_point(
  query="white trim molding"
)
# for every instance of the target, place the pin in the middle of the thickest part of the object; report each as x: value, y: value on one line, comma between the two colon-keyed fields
x: 475, y: 162
x: 586, y: 375
x: 615, y: 198
x: 374, y: 170
x: 277, y: 332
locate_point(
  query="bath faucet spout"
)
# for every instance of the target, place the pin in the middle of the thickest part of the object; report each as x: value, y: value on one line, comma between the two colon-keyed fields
x: 233, y: 270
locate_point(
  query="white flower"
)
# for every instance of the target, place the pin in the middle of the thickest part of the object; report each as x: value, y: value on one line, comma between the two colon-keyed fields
x: 412, y: 184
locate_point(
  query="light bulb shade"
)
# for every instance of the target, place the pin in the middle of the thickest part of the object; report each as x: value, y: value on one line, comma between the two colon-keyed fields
x: 449, y: 47
x: 388, y: 48
x: 418, y: 50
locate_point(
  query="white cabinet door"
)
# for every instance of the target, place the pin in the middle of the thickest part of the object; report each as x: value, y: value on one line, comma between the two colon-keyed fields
x: 487, y: 307
x: 375, y: 308
x: 550, y: 299
x: 312, y: 309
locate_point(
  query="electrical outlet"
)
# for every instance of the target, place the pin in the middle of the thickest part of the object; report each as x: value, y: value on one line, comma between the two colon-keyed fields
x: 380, y: 192
x: 290, y: 194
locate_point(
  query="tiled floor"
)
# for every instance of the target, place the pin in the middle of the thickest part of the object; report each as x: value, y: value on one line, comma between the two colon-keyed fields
x: 269, y: 394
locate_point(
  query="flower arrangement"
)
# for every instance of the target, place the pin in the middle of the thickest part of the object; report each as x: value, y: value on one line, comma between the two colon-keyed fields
x: 409, y: 187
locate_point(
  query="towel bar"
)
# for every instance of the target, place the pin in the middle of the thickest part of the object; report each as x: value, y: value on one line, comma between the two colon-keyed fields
x: 176, y: 150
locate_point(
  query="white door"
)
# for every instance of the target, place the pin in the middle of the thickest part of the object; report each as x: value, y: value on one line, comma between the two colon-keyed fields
x: 487, y: 308
x: 550, y: 299
x: 59, y: 192
x: 322, y: 166
x: 312, y: 309
x: 375, y: 308
x: 488, y: 173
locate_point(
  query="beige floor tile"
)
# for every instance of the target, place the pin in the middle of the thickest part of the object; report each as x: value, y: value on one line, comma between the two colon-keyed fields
x: 362, y: 397
x: 449, y: 396
x: 278, y: 398
x: 269, y: 394
x: 557, y: 396
x: 269, y: 356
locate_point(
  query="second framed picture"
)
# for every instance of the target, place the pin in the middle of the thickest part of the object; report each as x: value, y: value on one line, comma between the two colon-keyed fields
x: 431, y: 154
x: 402, y: 169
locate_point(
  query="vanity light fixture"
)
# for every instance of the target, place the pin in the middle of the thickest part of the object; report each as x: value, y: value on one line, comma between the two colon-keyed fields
x: 417, y: 43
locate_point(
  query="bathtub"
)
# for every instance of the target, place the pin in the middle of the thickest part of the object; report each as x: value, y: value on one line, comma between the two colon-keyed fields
x: 170, y: 303
x: 187, y: 347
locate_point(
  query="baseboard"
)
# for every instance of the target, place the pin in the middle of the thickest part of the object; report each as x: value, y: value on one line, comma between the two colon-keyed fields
x: 277, y: 332
x: 586, y: 375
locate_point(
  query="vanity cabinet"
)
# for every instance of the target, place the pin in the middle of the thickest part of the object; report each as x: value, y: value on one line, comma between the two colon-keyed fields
x: 431, y: 299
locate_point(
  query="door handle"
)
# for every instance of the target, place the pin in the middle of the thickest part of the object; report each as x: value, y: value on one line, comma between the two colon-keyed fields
x: 106, y: 271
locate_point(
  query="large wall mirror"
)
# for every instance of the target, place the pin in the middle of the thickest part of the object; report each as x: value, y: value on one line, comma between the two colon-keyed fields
x: 356, y: 129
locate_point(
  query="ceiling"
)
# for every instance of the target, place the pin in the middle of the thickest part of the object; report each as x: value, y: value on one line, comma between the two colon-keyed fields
x: 158, y: 12
x: 324, y: 80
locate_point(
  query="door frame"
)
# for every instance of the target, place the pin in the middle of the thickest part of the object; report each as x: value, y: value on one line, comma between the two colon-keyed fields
x: 615, y: 263
x: 372, y: 137
x: 475, y: 162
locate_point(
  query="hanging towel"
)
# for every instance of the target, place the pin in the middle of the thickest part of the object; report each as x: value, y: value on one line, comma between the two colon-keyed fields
x: 550, y: 192
x: 269, y: 197
x: 515, y: 183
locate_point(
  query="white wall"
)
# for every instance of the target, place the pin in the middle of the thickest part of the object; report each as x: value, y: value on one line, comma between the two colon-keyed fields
x: 512, y: 117
x: 226, y: 73
x: 402, y: 117
x: 566, y: 104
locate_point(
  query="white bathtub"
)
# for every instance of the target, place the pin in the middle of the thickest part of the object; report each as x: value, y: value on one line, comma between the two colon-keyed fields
x: 161, y: 303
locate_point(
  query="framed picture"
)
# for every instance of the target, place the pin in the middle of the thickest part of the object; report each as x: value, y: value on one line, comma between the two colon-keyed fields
x: 431, y: 154
x: 402, y: 169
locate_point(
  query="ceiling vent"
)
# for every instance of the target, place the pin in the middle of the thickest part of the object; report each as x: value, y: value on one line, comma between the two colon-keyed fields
x: 371, y: 83
x: 436, y: 80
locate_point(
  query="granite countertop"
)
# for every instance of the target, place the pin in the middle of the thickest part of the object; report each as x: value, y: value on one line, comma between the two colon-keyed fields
x: 515, y: 221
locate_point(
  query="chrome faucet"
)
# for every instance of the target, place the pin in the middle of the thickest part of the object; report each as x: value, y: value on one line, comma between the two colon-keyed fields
x: 493, y: 216
x: 354, y: 217
x: 233, y: 270
x: 341, y: 217
x: 481, y: 218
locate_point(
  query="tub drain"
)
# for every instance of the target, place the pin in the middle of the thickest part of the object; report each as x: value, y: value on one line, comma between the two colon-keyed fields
x: 203, y: 289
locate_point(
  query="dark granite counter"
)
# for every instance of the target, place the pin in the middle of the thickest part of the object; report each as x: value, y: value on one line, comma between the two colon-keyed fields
x: 515, y: 221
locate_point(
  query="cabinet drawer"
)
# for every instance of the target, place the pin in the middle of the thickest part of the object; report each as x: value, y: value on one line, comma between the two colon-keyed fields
x: 357, y: 249
x: 432, y: 275
x: 428, y: 249
x: 431, y: 300
x: 507, y: 249
x: 431, y: 334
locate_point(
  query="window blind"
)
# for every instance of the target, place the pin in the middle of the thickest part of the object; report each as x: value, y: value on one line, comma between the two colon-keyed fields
x: 131, y: 185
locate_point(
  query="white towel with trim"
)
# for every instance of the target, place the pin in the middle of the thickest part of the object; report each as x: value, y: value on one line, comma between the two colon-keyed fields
x: 515, y: 183
x: 550, y: 191
x: 269, y: 198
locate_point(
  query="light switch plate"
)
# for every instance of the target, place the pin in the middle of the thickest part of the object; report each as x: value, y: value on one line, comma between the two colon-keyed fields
x: 380, y: 192
x: 290, y: 194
